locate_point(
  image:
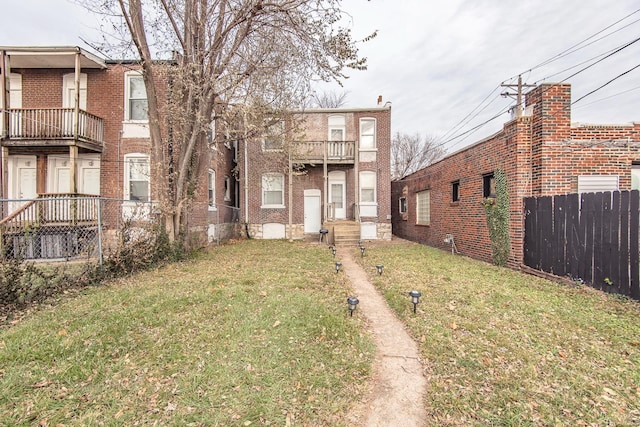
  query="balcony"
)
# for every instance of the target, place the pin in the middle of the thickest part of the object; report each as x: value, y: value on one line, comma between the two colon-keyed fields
x: 333, y: 152
x: 37, y: 127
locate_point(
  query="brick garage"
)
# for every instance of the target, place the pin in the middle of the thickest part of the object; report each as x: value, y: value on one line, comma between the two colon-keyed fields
x: 541, y: 154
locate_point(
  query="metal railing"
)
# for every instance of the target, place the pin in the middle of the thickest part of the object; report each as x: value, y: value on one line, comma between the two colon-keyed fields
x: 52, y: 123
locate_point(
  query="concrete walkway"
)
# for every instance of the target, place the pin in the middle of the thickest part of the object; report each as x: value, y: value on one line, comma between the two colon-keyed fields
x: 397, y: 398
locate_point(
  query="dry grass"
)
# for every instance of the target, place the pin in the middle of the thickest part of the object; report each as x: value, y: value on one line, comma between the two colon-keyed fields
x: 506, y: 349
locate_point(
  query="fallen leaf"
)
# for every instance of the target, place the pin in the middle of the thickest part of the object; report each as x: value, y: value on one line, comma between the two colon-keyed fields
x: 62, y: 332
x: 276, y: 324
x: 454, y: 326
x: 43, y: 383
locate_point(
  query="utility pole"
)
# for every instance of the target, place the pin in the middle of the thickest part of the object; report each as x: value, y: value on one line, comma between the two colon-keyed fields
x: 518, y: 95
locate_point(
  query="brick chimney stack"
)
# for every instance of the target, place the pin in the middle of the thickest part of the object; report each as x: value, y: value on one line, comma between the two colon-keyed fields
x: 379, y: 100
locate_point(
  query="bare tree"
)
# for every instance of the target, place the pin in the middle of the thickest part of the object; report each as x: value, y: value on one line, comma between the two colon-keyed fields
x: 410, y: 153
x: 234, y: 61
x: 329, y: 99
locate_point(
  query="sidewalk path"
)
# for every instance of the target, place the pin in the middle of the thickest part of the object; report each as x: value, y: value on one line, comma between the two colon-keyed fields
x: 399, y: 386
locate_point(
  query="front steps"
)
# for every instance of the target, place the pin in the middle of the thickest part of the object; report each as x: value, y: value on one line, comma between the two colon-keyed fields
x: 343, y: 233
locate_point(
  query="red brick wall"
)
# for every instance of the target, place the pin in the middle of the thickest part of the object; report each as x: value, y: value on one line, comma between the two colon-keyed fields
x: 541, y: 155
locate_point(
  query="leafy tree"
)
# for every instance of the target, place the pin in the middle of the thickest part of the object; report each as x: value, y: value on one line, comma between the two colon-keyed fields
x: 231, y: 61
x: 410, y: 153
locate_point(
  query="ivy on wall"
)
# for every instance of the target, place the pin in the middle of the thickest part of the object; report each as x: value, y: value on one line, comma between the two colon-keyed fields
x: 497, y: 212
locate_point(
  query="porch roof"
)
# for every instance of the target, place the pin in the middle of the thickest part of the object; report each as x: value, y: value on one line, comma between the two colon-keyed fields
x: 50, y: 57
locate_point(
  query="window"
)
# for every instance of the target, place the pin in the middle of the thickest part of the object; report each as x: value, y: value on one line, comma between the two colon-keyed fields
x: 211, y: 194
x: 488, y: 185
x: 402, y: 205
x: 596, y: 183
x: 227, y: 189
x: 423, y: 208
x: 367, y: 133
x: 635, y: 176
x: 337, y: 128
x: 455, y: 191
x: 273, y: 190
x: 273, y: 139
x: 137, y: 179
x: 136, y: 108
x: 367, y: 187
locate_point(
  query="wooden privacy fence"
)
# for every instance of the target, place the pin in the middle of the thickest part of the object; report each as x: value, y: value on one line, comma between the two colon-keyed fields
x: 591, y: 237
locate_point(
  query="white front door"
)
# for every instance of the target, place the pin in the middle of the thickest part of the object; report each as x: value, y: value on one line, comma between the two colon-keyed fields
x: 312, y: 206
x: 337, y: 194
x: 88, y: 166
x: 22, y: 179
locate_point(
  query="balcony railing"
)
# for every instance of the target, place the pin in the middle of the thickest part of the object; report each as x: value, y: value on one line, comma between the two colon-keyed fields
x: 51, y: 209
x: 52, y: 124
x: 331, y: 151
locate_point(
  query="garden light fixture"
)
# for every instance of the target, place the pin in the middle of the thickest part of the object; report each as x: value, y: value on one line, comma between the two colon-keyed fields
x: 415, y: 298
x: 338, y: 265
x: 379, y: 267
x: 353, y: 302
x: 333, y: 250
x: 362, y: 250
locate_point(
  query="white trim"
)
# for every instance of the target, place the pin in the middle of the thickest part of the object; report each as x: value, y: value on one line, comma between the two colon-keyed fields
x: 375, y: 134
x: 127, y: 171
x: 211, y: 187
x: 263, y: 189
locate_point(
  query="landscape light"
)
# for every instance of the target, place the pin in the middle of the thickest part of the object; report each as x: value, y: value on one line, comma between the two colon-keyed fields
x: 338, y: 265
x: 333, y: 249
x: 379, y: 267
x: 353, y: 302
x: 415, y: 298
x: 362, y: 250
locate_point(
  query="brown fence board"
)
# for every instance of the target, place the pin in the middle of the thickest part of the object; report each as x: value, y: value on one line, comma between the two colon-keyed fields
x: 593, y: 237
x: 634, y: 256
x: 574, y: 248
x: 545, y: 224
x: 623, y: 251
x: 559, y: 235
x: 530, y: 226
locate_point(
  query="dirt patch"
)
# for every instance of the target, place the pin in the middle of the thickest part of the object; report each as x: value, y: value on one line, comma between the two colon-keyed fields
x: 399, y: 386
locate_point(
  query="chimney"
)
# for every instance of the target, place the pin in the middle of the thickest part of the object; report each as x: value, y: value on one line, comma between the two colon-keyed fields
x: 379, y: 100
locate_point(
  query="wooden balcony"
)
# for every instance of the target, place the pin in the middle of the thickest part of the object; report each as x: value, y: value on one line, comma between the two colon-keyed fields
x: 333, y: 152
x: 37, y: 127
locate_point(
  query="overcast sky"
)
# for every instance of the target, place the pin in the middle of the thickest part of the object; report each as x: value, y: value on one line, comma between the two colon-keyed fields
x: 437, y: 61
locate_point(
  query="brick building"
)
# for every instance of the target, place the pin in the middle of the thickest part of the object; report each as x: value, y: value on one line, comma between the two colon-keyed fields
x: 56, y: 144
x: 319, y: 169
x: 540, y: 153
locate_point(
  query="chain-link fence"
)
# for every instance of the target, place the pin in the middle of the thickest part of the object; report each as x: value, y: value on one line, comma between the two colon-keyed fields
x: 63, y: 228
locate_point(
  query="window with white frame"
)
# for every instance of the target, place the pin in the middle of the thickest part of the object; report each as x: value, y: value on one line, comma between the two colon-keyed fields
x: 368, y: 134
x: 402, y: 205
x: 367, y: 187
x: 273, y: 190
x: 211, y: 193
x: 423, y: 207
x: 137, y: 178
x: 337, y: 128
x: 136, y: 108
x: 273, y: 138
